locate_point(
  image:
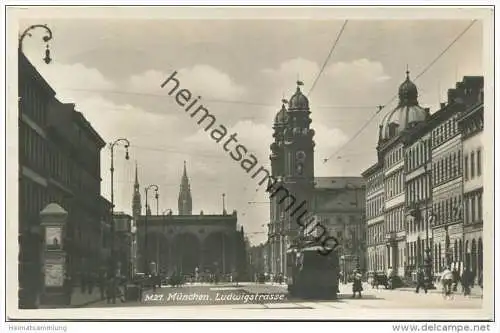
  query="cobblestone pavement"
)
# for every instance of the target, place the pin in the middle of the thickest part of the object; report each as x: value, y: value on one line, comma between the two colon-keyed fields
x: 233, y: 296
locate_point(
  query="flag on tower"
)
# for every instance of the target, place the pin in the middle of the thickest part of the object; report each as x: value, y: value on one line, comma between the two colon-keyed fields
x: 300, y: 83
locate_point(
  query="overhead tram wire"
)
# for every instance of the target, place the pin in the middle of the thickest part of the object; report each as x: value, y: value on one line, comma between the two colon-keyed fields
x: 328, y: 57
x: 381, y: 107
x: 248, y: 103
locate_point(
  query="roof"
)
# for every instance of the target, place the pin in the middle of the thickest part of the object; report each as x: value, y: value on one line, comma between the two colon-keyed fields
x: 372, y: 169
x: 27, y: 69
x: 339, y: 182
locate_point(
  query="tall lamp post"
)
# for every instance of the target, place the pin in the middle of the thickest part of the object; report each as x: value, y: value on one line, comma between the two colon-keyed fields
x: 45, y: 38
x: 146, y: 190
x: 112, y: 259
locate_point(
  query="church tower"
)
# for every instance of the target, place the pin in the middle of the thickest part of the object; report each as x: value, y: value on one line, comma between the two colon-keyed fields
x: 136, y: 198
x: 298, y: 161
x: 185, y: 203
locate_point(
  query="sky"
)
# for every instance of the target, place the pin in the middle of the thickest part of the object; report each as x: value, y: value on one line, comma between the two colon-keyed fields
x: 112, y: 70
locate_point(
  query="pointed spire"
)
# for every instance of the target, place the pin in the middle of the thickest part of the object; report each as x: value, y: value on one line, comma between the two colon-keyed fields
x: 224, y: 212
x: 407, y: 72
x: 136, y: 198
x: 136, y: 183
x: 185, y: 200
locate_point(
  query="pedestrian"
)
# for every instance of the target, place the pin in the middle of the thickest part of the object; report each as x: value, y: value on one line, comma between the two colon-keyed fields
x: 480, y: 281
x: 83, y: 282
x: 456, y: 278
x: 421, y: 281
x: 91, y: 282
x: 390, y: 274
x: 68, y: 288
x: 102, y: 284
x: 447, y: 281
x: 466, y: 281
x: 111, y: 290
x: 357, y: 285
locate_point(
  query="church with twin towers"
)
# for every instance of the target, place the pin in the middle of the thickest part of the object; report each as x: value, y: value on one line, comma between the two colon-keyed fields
x: 184, y: 242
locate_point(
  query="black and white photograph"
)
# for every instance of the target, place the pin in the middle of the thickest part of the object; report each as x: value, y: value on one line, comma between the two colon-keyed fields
x: 250, y: 163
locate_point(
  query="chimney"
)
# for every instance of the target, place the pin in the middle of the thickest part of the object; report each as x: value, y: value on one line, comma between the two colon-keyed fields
x: 452, y: 93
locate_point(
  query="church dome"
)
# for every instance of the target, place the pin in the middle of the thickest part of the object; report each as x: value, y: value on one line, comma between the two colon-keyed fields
x: 298, y: 101
x: 281, y: 116
x: 408, y: 92
x: 406, y: 115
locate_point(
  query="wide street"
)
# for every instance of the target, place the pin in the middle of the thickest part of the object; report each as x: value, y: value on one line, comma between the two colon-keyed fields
x: 269, y: 296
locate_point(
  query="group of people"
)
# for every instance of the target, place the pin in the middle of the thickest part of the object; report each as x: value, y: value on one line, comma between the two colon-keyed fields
x: 451, y: 278
x: 448, y: 278
x: 110, y: 287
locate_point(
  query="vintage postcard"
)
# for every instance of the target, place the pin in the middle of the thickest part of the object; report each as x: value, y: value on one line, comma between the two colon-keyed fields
x: 325, y: 163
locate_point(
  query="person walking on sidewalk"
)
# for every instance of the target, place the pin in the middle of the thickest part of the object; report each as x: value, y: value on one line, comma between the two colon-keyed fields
x: 466, y: 280
x: 102, y: 284
x: 357, y: 285
x: 456, y: 278
x: 91, y: 282
x: 421, y: 281
x: 447, y: 281
x: 68, y: 288
x: 111, y: 290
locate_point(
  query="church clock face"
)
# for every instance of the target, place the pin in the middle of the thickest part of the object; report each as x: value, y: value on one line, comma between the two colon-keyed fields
x: 300, y: 156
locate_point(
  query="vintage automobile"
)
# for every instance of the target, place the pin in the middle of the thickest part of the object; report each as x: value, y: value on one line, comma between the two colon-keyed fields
x: 378, y: 278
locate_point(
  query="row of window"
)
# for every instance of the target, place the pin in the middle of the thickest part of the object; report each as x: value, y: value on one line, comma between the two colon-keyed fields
x: 36, y: 152
x: 393, y: 157
x: 417, y: 155
x: 444, y: 132
x: 32, y: 148
x: 33, y: 103
x: 417, y: 225
x: 474, y: 125
x: 395, y: 219
x: 473, y: 164
x: 414, y: 255
x: 375, y: 182
x: 446, y: 168
x: 394, y: 184
x: 376, y: 233
x: 375, y: 206
x: 418, y: 189
x: 448, y: 210
x: 473, y: 207
x: 416, y: 251
x: 33, y: 197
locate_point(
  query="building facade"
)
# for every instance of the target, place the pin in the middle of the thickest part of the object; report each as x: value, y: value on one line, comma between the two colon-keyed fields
x: 185, y: 242
x: 59, y: 161
x: 422, y: 159
x: 375, y: 227
x: 339, y: 206
x: 471, y: 124
x: 335, y: 202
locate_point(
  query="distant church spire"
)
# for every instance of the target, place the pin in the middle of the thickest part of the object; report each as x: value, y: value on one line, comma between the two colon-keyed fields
x: 136, y: 198
x: 185, y: 203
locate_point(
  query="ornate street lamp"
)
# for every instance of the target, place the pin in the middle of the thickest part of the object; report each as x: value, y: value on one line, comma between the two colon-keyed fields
x: 45, y: 38
x: 146, y: 254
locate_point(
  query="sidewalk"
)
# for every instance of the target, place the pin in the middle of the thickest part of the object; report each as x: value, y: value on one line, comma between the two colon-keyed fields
x: 79, y: 299
x: 476, y: 291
